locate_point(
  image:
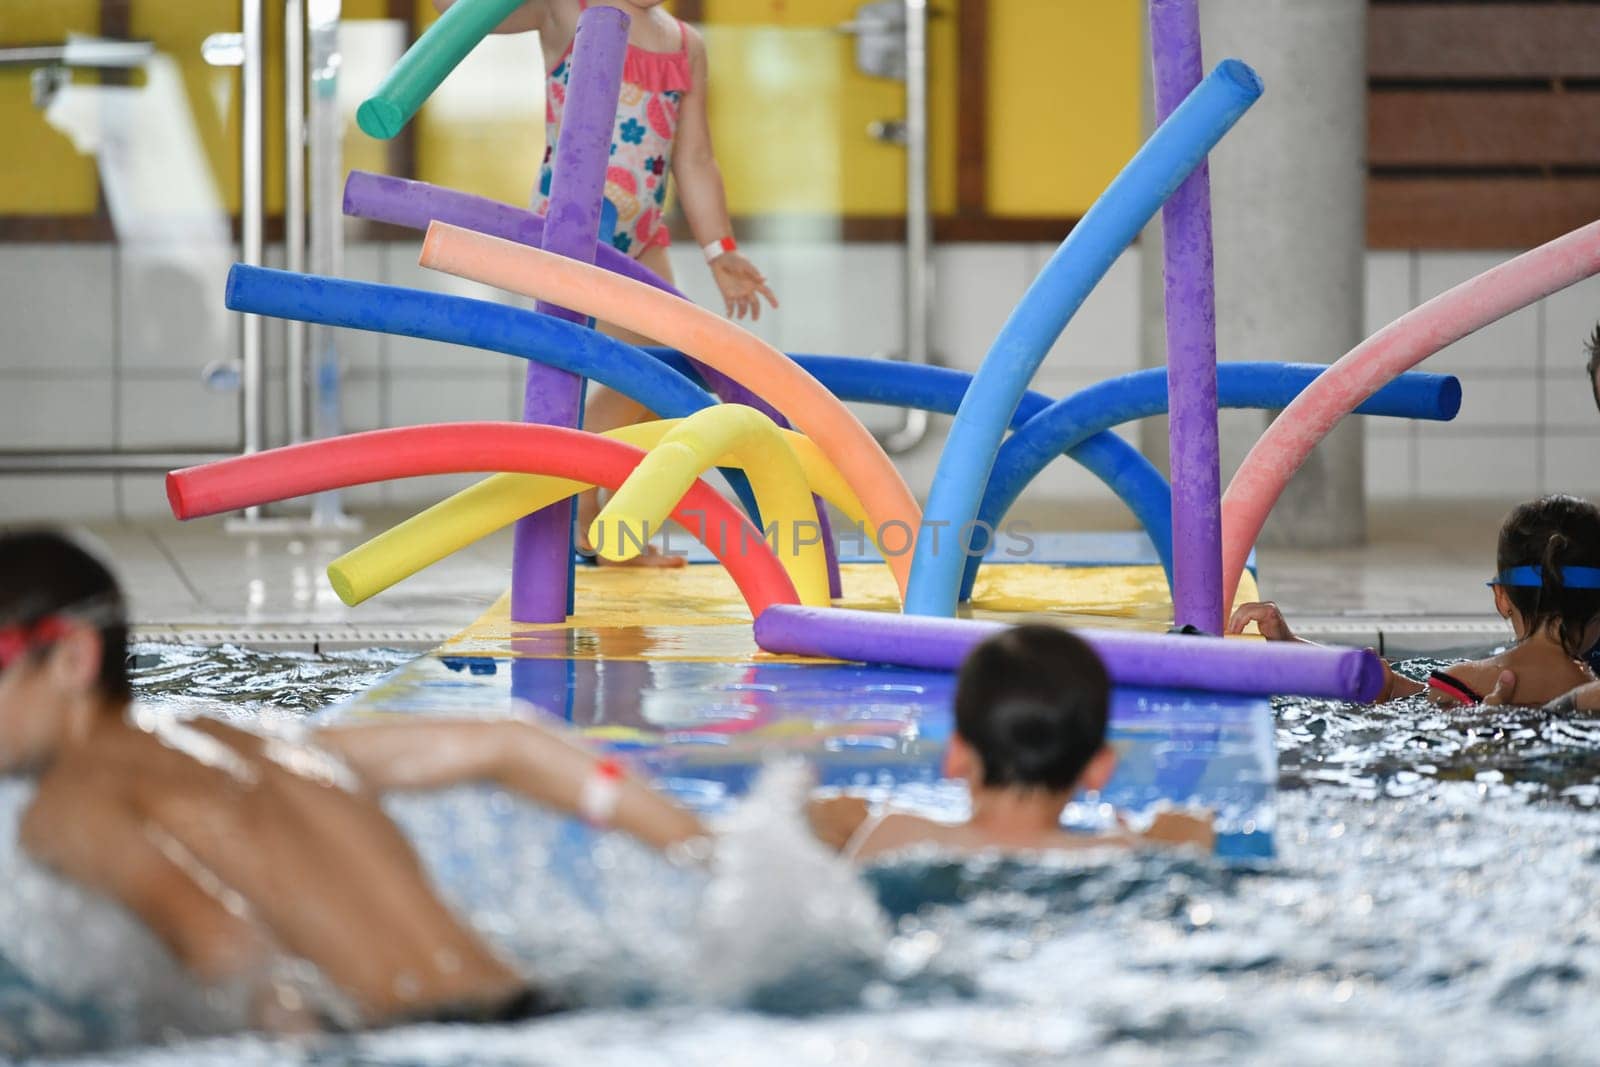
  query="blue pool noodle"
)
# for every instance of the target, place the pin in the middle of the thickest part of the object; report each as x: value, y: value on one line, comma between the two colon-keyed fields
x: 1070, y: 422
x: 1171, y: 153
x: 1079, y: 425
x: 481, y: 324
x: 1134, y: 479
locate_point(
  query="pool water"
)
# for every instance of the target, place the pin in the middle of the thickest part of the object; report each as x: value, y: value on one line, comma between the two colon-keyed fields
x: 1435, y: 896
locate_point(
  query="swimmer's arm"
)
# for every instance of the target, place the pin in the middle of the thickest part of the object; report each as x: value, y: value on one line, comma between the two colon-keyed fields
x: 1178, y: 828
x: 1397, y: 685
x: 522, y: 756
x: 1273, y: 626
x: 530, y: 16
x: 98, y: 843
x: 705, y: 198
x: 835, y: 820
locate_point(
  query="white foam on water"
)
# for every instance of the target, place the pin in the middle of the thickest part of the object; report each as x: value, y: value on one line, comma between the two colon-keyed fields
x: 782, y: 909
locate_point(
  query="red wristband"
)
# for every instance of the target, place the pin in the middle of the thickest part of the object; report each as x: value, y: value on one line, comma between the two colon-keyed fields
x: 716, y: 249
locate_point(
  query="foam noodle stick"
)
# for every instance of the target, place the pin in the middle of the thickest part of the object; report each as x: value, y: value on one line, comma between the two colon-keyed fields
x: 459, y: 320
x: 1363, y: 370
x: 1246, y: 667
x: 498, y: 501
x: 1173, y: 151
x: 463, y: 447
x: 541, y: 547
x: 1191, y: 316
x: 406, y: 202
x: 414, y: 204
x: 427, y: 63
x: 808, y: 406
x: 622, y: 528
x: 1071, y: 428
x: 1067, y: 424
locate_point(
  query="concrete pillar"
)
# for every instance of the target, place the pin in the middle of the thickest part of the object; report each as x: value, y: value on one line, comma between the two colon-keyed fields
x: 1153, y: 437
x: 1289, y: 211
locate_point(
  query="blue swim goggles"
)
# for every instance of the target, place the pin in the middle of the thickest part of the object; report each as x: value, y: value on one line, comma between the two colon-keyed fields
x: 1532, y: 577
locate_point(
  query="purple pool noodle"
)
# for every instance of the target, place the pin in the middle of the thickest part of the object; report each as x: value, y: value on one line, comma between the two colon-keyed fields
x: 414, y: 204
x: 541, y: 560
x: 1191, y: 339
x: 1164, y: 661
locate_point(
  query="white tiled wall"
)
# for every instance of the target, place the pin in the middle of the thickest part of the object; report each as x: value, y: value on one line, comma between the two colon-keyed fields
x: 87, y: 363
x: 1528, y: 421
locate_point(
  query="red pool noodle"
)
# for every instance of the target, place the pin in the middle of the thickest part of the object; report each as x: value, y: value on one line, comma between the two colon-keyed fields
x: 1379, y: 359
x: 467, y: 447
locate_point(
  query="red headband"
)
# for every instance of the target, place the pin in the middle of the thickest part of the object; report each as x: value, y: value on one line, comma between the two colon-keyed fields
x: 18, y: 639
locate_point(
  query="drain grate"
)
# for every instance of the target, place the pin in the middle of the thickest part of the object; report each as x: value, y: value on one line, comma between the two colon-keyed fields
x: 313, y: 639
x: 1413, y: 636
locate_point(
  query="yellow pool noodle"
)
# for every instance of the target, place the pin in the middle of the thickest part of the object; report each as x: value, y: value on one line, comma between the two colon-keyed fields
x: 498, y: 501
x: 647, y: 498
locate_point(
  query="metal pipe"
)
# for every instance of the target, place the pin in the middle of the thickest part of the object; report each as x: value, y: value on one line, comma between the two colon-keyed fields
x: 87, y: 52
x: 294, y: 205
x: 325, y: 170
x: 919, y: 273
x: 103, y: 462
x: 251, y: 210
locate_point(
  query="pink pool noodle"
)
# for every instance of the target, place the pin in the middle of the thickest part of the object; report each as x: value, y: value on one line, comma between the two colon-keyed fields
x: 1376, y: 361
x: 466, y: 447
x: 541, y: 548
x: 1191, y: 339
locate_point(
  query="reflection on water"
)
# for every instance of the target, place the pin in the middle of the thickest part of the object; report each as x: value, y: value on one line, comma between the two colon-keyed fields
x: 1436, y: 898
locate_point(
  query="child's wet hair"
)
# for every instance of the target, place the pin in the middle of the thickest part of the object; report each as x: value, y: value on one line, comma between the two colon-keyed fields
x: 1032, y: 702
x: 1550, y: 533
x: 44, y: 572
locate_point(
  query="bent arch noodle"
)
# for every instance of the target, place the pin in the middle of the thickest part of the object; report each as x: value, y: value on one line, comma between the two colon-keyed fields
x: 1362, y: 371
x: 634, y: 306
x: 459, y: 448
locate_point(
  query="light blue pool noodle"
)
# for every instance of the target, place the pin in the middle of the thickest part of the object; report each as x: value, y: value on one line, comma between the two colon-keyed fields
x: 460, y: 320
x: 1078, y: 426
x: 1173, y: 151
x: 1134, y: 479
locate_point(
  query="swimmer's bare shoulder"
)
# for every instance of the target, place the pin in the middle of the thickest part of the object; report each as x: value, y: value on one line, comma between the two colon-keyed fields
x: 85, y: 826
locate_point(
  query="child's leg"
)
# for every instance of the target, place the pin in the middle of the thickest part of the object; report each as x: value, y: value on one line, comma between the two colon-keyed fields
x: 608, y: 409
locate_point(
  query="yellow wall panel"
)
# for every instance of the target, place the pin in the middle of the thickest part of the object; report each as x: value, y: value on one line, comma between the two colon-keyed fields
x: 1064, y: 89
x: 789, y: 110
x: 41, y: 173
x: 483, y: 131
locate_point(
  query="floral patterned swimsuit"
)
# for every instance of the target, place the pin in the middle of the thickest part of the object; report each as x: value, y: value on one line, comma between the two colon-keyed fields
x: 653, y: 86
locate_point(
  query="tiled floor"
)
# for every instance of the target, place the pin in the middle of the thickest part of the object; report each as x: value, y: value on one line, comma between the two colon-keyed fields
x: 1421, y: 574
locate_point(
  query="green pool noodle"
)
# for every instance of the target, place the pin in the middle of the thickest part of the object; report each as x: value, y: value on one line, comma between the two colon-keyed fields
x: 428, y: 62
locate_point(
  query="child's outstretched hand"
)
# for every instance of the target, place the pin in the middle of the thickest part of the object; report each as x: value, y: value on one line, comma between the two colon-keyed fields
x: 1268, y: 619
x: 740, y: 283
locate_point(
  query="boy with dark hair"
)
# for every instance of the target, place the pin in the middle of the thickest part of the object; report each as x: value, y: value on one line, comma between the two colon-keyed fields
x: 240, y: 851
x: 1032, y: 705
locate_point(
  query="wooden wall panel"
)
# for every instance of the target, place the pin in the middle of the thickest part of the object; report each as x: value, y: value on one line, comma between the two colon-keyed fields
x: 1483, y: 122
x: 1434, y: 41
x: 1482, y: 128
x: 1477, y: 211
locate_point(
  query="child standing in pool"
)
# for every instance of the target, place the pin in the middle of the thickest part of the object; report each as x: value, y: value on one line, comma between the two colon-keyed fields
x: 1547, y: 586
x: 661, y: 128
